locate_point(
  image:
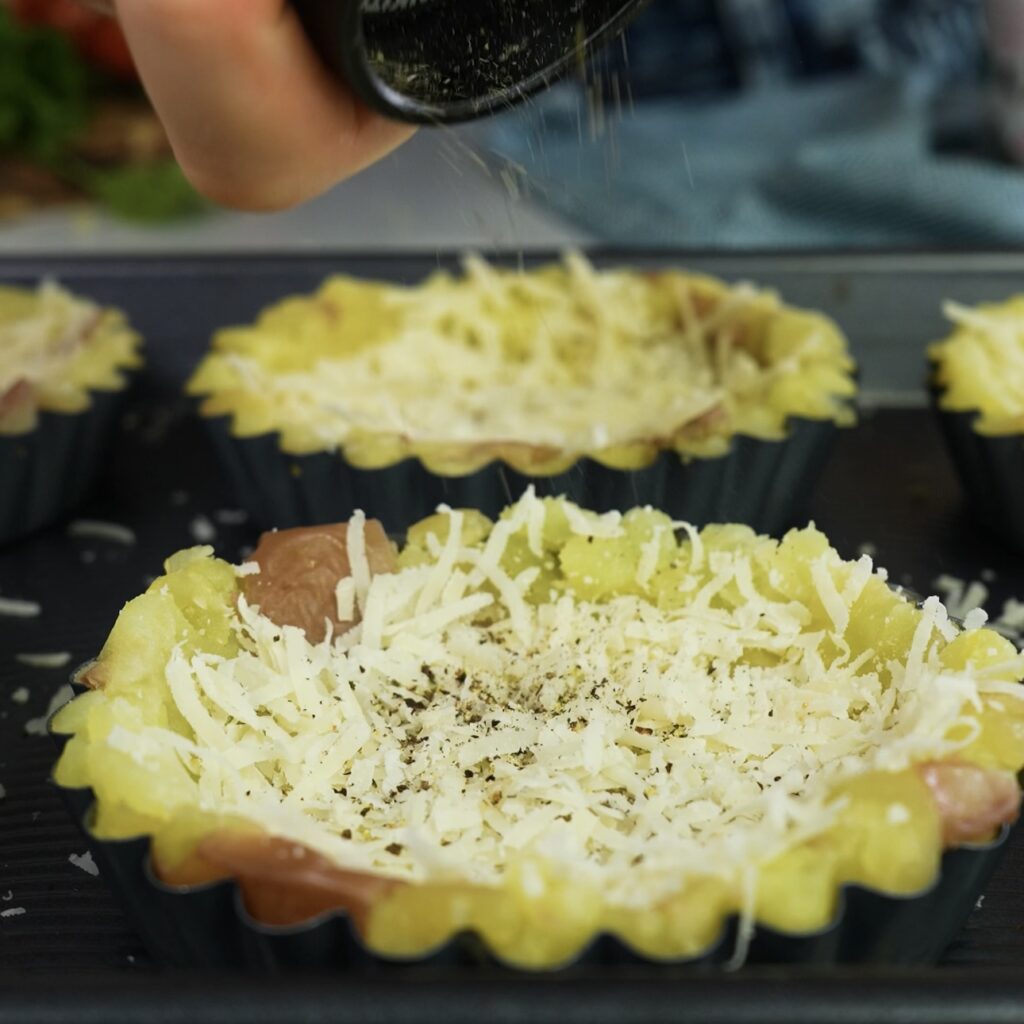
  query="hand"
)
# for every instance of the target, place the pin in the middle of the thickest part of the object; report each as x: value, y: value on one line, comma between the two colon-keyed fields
x: 255, y: 120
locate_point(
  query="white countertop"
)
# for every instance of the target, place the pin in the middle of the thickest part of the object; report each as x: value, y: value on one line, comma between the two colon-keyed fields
x: 434, y: 193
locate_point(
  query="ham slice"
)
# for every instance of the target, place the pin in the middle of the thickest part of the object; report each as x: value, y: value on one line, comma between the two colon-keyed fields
x: 300, y: 570
x: 17, y: 396
x: 285, y: 883
x: 973, y: 802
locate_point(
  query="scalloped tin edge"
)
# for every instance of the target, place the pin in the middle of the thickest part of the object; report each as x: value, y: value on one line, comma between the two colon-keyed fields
x: 764, y: 484
x: 991, y: 471
x: 49, y: 470
x: 209, y: 927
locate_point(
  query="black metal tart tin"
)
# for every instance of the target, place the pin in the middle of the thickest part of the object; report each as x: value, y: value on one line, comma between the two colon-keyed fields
x: 47, y: 471
x: 765, y: 484
x: 991, y: 470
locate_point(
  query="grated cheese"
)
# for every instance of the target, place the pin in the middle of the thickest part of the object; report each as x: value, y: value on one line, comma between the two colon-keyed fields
x: 631, y: 745
x: 357, y: 557
x: 18, y: 609
x: 345, y: 599
x: 231, y: 516
x: 56, y: 659
x: 97, y: 529
x: 202, y: 530
x: 975, y: 618
x: 964, y: 599
x: 84, y: 862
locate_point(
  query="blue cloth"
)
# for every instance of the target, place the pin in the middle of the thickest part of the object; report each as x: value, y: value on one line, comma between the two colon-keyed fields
x: 838, y: 163
x: 691, y: 47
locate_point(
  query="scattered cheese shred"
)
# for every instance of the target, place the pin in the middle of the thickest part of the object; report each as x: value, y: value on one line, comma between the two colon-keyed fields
x: 39, y: 726
x: 56, y: 659
x: 357, y: 557
x: 203, y: 531
x: 37, y: 345
x: 97, y: 529
x: 19, y: 609
x: 231, y: 516
x: 964, y: 600
x: 84, y: 862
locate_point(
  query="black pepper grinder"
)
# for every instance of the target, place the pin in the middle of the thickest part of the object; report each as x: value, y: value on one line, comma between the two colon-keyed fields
x: 445, y: 61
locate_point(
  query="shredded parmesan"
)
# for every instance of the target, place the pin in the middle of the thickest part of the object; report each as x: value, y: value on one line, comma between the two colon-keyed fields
x: 202, y: 530
x: 19, y: 609
x: 57, y: 659
x: 975, y: 618
x: 964, y: 600
x: 84, y: 862
x: 96, y: 529
x: 357, y: 557
x: 345, y: 599
x: 836, y: 608
x: 231, y: 516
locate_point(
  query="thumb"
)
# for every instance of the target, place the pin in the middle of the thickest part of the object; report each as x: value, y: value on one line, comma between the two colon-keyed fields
x: 254, y: 118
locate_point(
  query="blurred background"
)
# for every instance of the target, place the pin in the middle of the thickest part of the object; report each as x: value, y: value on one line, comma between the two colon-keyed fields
x: 733, y: 124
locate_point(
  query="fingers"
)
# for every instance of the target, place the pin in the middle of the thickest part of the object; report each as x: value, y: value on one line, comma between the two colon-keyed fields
x: 255, y: 120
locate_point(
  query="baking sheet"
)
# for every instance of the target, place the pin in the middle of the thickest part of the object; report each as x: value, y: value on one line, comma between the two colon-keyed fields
x: 889, y: 484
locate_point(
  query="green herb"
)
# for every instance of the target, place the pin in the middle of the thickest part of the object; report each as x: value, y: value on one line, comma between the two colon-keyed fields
x: 44, y: 90
x: 152, y: 192
x: 47, y: 98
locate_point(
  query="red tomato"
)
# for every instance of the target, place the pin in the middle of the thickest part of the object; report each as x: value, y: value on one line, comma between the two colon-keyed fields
x: 97, y: 37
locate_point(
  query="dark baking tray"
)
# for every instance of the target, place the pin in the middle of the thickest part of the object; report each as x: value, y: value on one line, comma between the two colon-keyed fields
x: 72, y: 956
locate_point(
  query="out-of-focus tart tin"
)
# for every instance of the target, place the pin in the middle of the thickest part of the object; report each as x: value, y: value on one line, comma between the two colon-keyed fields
x: 978, y: 388
x: 63, y: 363
x: 554, y: 737
x: 614, y: 387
